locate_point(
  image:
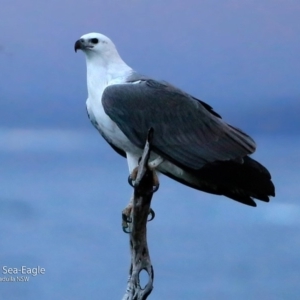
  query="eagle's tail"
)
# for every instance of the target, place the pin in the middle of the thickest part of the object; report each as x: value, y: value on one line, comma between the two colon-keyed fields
x: 239, y: 181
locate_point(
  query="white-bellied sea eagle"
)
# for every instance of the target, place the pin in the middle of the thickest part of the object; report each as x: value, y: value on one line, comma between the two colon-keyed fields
x: 192, y: 142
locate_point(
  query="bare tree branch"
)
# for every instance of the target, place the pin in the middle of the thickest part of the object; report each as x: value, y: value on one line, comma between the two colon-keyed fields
x: 140, y: 258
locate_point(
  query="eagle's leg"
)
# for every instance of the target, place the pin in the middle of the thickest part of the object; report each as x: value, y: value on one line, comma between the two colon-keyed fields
x: 126, y: 213
x: 126, y: 216
x: 156, y: 162
x: 152, y: 165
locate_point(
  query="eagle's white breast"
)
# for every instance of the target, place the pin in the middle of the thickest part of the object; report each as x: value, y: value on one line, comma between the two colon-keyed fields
x: 105, y: 125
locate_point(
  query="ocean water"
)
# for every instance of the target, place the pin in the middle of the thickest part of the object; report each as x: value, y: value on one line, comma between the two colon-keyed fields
x: 61, y: 197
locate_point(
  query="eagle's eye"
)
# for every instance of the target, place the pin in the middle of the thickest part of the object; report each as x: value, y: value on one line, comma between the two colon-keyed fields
x: 94, y: 41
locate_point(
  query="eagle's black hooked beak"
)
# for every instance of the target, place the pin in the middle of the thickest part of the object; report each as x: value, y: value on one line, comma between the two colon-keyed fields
x: 78, y: 45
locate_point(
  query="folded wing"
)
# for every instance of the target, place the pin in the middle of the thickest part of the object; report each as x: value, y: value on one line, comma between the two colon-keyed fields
x: 186, y: 131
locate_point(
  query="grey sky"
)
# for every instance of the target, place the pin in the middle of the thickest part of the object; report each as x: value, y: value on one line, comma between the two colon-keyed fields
x: 239, y: 56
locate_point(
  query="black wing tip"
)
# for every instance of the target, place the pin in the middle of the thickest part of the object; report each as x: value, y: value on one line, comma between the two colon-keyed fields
x: 249, y: 200
x: 242, y: 182
x: 263, y: 192
x: 272, y: 189
x: 252, y: 204
x: 247, y: 197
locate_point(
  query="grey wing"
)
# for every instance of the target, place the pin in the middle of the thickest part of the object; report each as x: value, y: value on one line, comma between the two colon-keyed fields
x: 186, y: 132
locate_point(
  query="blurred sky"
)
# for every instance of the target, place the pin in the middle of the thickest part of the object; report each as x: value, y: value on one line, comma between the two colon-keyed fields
x: 240, y: 56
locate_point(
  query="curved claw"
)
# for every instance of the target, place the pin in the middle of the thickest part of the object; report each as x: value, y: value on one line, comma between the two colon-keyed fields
x: 130, y: 181
x: 155, y: 188
x: 125, y: 224
x: 126, y: 229
x: 152, y: 215
x: 126, y: 218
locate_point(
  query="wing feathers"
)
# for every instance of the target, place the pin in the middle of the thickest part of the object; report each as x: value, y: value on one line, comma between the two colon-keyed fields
x: 238, y: 181
x: 186, y: 130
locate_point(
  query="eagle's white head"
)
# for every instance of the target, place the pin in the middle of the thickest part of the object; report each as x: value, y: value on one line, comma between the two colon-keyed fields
x: 95, y: 44
x: 99, y: 50
x: 104, y: 63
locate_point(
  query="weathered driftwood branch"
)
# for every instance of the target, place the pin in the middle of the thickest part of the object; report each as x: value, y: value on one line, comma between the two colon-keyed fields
x: 140, y: 258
